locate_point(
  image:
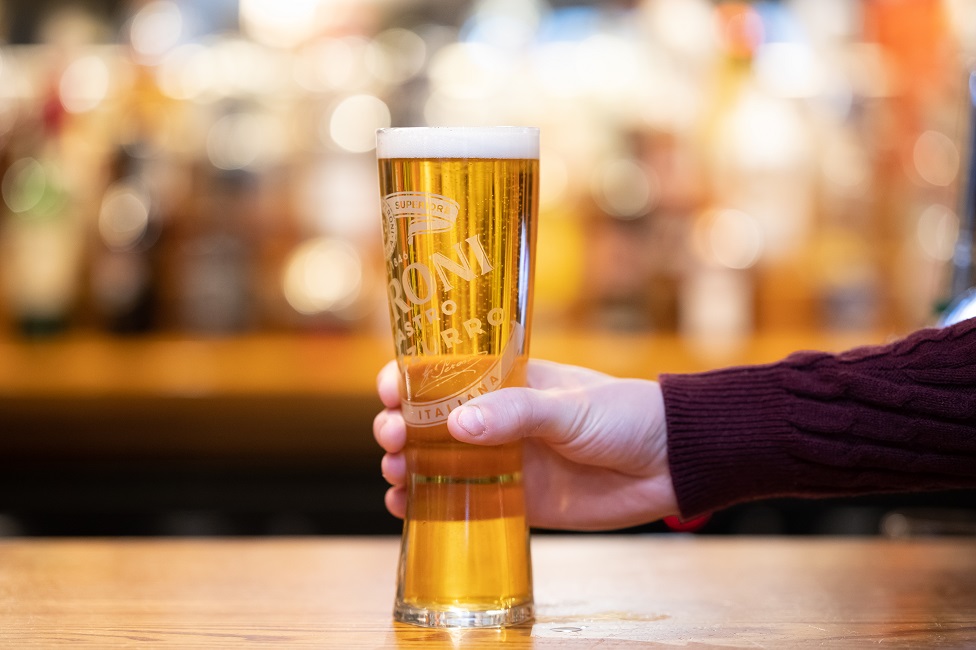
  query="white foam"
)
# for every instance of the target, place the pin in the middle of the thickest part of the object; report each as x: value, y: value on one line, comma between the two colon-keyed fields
x: 458, y: 142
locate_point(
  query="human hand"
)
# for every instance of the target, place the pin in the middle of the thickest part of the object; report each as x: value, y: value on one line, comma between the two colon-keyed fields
x: 595, y: 453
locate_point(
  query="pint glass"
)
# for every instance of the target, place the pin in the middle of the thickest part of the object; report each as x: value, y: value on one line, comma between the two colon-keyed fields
x: 459, y: 219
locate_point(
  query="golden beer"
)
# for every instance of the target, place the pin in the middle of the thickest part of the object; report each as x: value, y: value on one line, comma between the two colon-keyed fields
x: 459, y: 212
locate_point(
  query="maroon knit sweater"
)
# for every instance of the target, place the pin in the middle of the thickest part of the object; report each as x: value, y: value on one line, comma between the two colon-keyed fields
x: 893, y: 418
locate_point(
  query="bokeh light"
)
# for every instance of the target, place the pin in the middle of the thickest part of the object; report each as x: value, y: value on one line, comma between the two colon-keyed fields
x: 396, y: 55
x: 155, y: 29
x: 227, y: 67
x: 84, y: 84
x: 505, y: 24
x: 844, y: 164
x: 553, y: 68
x: 244, y: 140
x: 686, y: 27
x: 322, y: 275
x: 279, y: 24
x: 624, y: 189
x: 608, y: 64
x: 936, y: 158
x: 187, y: 72
x: 334, y: 64
x: 124, y: 217
x: 354, y: 121
x: 468, y: 71
x: 244, y: 68
x: 24, y: 185
x: 764, y: 133
x: 729, y: 238
x: 740, y: 28
x: 937, y: 232
x: 790, y: 70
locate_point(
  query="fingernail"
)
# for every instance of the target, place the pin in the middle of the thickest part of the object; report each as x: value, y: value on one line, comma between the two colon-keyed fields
x: 472, y: 420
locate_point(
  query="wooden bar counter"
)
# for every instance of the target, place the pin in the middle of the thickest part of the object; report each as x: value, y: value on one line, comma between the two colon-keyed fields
x: 591, y: 591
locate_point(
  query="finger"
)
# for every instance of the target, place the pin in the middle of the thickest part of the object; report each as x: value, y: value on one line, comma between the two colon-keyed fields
x: 393, y: 467
x: 378, y: 423
x: 390, y: 430
x: 513, y: 413
x: 396, y: 501
x: 388, y: 385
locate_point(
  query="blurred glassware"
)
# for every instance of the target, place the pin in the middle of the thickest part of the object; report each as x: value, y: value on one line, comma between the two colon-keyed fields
x: 42, y: 235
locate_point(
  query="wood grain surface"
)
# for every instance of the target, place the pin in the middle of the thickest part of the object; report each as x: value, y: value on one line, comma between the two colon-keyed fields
x: 591, y: 591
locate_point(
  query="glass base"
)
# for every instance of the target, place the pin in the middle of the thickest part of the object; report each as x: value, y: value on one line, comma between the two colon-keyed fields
x: 458, y: 617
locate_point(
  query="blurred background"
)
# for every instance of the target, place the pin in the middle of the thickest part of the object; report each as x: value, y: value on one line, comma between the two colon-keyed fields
x: 192, y: 306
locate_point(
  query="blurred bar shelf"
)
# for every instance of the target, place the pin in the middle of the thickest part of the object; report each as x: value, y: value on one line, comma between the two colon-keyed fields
x: 262, y: 397
x: 261, y: 365
x: 163, y: 435
x: 336, y: 365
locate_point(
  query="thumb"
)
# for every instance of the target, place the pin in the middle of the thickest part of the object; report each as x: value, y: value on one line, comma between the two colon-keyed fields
x: 511, y: 414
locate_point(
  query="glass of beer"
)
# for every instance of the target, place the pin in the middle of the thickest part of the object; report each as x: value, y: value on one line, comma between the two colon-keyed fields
x: 459, y: 210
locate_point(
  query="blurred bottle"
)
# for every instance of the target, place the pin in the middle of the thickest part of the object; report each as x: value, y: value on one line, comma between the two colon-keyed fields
x: 125, y: 273
x: 275, y: 233
x: 917, y: 156
x: 760, y: 160
x: 717, y: 295
x: 214, y: 256
x: 42, y: 234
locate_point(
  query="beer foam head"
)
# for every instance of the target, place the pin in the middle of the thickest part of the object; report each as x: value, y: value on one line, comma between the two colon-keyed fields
x: 458, y: 142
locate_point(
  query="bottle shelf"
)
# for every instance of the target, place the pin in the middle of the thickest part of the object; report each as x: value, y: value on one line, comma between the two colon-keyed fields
x: 271, y: 399
x: 338, y: 365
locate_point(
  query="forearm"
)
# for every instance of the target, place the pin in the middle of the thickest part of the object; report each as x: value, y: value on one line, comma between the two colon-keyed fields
x: 900, y: 417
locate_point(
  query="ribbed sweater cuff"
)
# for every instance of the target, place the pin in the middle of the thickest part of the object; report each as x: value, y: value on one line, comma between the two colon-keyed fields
x: 742, y: 457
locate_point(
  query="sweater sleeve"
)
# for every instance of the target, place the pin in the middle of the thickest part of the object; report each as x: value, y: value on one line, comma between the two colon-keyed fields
x: 894, y: 418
